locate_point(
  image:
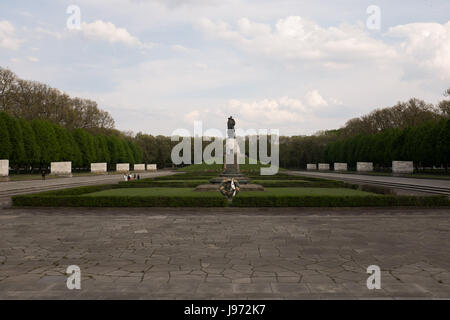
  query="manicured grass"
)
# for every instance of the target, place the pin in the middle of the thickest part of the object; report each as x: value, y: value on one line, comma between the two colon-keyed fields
x: 154, y: 192
x: 293, y: 192
x: 300, y: 192
x: 149, y: 183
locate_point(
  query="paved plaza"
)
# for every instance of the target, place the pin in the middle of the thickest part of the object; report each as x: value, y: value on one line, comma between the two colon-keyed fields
x: 151, y: 253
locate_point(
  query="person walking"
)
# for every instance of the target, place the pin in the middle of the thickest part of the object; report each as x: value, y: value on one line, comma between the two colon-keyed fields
x: 43, y: 174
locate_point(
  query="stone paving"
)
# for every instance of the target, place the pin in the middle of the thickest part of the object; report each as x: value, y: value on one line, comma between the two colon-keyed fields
x: 224, y: 253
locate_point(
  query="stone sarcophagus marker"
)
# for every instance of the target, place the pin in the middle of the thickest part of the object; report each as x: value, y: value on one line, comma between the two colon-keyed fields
x: 4, y: 170
x: 61, y: 168
x: 402, y: 167
x: 139, y: 167
x: 324, y: 166
x: 311, y: 166
x: 340, y: 166
x: 122, y: 167
x: 99, y: 168
x: 364, y: 166
x: 151, y: 167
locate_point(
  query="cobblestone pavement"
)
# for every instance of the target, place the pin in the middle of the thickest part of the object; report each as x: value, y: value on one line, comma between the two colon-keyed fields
x: 224, y: 253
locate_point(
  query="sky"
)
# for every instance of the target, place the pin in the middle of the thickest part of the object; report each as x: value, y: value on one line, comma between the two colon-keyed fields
x: 292, y: 65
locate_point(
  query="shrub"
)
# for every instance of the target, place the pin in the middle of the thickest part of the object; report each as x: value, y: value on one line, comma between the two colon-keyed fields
x: 339, y: 201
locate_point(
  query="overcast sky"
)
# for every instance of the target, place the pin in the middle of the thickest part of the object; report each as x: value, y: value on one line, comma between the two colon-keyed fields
x: 297, y: 66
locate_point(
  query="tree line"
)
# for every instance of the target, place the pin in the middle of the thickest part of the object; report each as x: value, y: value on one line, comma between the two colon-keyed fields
x: 412, y: 131
x: 35, y: 143
x: 34, y: 100
x: 427, y: 144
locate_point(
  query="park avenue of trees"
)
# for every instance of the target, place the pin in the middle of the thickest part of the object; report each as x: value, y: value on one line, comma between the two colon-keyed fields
x: 40, y: 124
x: 412, y: 131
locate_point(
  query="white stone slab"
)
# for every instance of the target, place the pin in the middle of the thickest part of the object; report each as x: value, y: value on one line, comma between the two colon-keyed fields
x: 139, y: 167
x: 122, y: 167
x: 324, y: 166
x: 61, y: 168
x: 311, y: 166
x: 151, y: 167
x: 338, y: 166
x: 100, y: 168
x: 364, y: 166
x: 402, y: 167
x: 4, y: 168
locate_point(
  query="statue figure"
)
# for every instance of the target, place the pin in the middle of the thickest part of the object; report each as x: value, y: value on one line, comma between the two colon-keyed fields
x: 230, y: 124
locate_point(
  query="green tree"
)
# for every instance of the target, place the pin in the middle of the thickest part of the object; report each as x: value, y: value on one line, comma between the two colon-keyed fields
x: 32, y: 150
x: 47, y: 141
x: 5, y: 143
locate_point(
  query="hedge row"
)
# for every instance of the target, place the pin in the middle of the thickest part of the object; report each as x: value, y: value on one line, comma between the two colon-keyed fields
x: 86, y: 201
x: 333, y: 201
x: 40, y: 200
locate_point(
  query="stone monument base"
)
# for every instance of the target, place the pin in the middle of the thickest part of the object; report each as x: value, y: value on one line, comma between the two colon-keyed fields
x: 238, y: 176
x: 243, y: 187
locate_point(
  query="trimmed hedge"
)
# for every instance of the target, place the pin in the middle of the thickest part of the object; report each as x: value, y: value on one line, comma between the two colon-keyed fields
x: 332, y: 201
x: 83, y: 201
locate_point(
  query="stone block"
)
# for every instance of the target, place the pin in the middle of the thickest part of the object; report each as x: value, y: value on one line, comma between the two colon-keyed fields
x: 99, y: 168
x: 122, y: 167
x: 311, y: 166
x: 4, y: 170
x: 61, y: 168
x: 324, y: 166
x: 364, y: 166
x: 139, y: 167
x: 340, y: 166
x: 402, y: 167
x: 151, y: 167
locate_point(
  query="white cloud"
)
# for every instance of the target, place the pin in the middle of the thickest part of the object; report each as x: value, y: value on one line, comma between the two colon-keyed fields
x: 192, y: 116
x: 7, y: 36
x: 107, y: 31
x: 426, y: 45
x: 283, y: 110
x: 314, y: 99
x: 33, y: 59
x: 298, y: 38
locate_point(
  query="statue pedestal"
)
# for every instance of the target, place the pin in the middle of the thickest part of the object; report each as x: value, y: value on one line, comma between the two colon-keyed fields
x: 231, y: 164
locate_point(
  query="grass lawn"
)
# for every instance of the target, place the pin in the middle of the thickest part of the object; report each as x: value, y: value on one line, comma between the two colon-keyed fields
x: 144, y: 192
x: 153, y: 192
x: 299, y: 192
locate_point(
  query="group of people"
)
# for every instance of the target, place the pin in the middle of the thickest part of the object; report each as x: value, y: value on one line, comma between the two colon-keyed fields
x: 129, y: 177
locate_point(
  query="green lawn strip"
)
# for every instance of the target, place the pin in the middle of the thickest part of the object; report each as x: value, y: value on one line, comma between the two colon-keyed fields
x: 162, y: 183
x: 155, y: 192
x: 300, y: 192
x: 299, y: 183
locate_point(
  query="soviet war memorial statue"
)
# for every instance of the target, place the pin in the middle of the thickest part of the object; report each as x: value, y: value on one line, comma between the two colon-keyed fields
x: 231, y: 123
